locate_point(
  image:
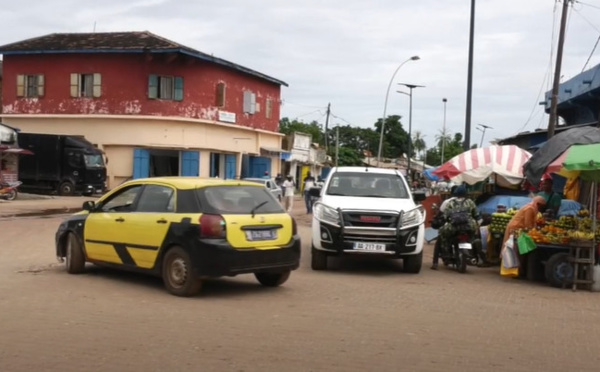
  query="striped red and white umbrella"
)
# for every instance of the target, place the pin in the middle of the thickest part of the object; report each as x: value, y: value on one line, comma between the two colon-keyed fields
x: 478, y: 164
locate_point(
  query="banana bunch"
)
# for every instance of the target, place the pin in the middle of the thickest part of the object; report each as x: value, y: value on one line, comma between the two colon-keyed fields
x: 581, y: 235
x: 585, y: 224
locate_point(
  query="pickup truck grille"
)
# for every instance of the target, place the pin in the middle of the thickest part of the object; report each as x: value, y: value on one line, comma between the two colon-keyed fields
x: 357, y: 219
x: 362, y: 238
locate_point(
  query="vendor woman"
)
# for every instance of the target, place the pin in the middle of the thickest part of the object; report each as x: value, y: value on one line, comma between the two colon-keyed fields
x: 525, y: 218
x: 553, y: 200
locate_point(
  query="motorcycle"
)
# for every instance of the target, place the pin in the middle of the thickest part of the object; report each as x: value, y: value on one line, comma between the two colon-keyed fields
x: 8, y: 191
x: 464, y: 246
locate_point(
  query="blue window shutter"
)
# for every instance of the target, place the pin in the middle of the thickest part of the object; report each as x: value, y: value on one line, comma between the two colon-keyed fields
x: 153, y: 86
x: 178, y: 96
x: 190, y: 162
x: 141, y: 163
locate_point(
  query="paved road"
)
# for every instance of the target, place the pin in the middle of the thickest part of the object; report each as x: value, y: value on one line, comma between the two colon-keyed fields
x: 361, y: 316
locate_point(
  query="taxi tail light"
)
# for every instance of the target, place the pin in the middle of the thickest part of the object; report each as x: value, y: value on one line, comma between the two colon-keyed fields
x: 212, y: 226
x: 294, y: 227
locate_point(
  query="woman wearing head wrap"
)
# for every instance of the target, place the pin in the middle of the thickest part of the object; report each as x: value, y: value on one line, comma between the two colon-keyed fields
x: 525, y: 218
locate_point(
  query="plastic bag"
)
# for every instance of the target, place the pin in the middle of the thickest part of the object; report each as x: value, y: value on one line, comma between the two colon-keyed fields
x: 525, y: 244
x: 510, y: 259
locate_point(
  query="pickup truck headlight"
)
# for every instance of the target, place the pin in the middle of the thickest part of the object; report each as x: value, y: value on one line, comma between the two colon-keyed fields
x: 412, y: 218
x: 326, y: 214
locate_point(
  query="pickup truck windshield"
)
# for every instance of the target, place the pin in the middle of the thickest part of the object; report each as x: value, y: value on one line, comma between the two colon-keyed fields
x: 374, y: 185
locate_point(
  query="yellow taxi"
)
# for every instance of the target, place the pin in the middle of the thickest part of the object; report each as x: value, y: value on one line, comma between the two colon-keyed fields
x: 184, y: 229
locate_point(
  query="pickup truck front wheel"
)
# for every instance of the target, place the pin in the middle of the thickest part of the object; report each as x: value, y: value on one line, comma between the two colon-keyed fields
x: 412, y: 264
x: 318, y: 259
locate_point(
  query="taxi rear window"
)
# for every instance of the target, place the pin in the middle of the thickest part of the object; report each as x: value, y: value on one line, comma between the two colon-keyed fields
x: 238, y: 200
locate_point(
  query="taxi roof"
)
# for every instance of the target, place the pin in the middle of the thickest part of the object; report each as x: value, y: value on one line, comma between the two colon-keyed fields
x: 186, y: 183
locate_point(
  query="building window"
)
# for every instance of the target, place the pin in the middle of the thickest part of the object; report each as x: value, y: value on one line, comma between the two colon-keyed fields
x: 249, y: 102
x: 165, y: 87
x: 30, y: 86
x: 86, y: 85
x: 269, y: 108
x: 221, y: 95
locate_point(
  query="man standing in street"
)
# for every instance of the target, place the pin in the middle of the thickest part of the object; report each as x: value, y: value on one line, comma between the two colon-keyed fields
x: 309, y: 183
x: 288, y: 193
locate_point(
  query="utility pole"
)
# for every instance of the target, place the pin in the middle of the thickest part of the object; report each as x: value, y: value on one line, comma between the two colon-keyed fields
x: 444, y: 129
x: 467, y: 143
x: 485, y: 127
x: 327, y: 124
x: 337, y: 144
x: 561, y: 41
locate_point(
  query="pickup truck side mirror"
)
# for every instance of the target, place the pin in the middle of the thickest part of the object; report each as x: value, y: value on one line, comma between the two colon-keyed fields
x: 419, y: 196
x: 88, y: 206
x: 315, y: 192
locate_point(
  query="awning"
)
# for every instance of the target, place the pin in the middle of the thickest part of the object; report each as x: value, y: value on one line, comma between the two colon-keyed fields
x: 15, y: 150
x: 272, y: 149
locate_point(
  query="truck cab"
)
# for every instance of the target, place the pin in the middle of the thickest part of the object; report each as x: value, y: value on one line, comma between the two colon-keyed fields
x: 367, y: 211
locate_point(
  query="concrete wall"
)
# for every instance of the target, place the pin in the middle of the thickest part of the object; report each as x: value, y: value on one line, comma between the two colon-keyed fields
x: 119, y: 135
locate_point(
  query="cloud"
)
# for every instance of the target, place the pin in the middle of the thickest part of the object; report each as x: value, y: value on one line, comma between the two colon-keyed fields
x: 345, y: 51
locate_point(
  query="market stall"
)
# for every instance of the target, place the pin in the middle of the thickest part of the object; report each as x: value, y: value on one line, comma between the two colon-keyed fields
x: 564, y: 250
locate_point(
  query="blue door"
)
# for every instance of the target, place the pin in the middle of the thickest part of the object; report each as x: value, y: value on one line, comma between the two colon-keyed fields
x: 190, y: 163
x: 245, y: 166
x: 259, y: 165
x: 325, y: 173
x: 230, y: 165
x: 141, y: 163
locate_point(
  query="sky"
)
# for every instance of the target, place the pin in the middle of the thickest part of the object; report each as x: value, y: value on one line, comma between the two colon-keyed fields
x: 345, y: 52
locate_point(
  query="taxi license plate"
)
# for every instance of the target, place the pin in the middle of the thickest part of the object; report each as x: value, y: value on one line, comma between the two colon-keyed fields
x: 258, y: 235
x: 369, y: 247
x: 464, y: 245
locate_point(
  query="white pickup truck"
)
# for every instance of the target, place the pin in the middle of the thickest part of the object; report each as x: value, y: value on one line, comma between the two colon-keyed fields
x: 367, y: 211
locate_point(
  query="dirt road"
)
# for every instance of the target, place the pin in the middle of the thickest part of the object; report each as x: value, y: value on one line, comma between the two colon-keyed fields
x: 360, y: 316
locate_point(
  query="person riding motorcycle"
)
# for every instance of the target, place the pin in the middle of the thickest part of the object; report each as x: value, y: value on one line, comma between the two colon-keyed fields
x: 458, y: 205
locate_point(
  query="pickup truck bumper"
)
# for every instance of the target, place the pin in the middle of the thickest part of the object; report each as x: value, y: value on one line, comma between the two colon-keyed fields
x: 391, y: 242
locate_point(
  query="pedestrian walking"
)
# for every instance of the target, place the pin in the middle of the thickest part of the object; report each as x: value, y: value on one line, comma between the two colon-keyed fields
x: 309, y: 183
x: 288, y: 193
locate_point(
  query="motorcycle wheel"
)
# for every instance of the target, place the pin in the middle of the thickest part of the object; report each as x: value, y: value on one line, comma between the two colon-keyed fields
x: 11, y: 195
x: 461, y: 265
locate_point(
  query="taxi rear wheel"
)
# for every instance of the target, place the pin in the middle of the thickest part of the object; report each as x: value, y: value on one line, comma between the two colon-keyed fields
x: 75, y: 260
x: 272, y: 279
x: 178, y: 273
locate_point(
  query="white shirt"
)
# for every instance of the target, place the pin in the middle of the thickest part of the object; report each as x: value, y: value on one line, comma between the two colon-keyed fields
x: 288, y: 187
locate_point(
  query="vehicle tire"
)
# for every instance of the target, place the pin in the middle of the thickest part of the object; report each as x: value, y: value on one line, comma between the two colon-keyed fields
x: 461, y: 265
x: 66, y: 188
x: 178, y: 273
x: 75, y: 259
x: 11, y: 195
x: 412, y: 264
x: 272, y: 279
x: 318, y: 260
x: 559, y: 271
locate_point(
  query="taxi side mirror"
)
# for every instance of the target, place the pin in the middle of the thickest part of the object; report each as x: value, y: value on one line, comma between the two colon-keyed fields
x: 88, y: 205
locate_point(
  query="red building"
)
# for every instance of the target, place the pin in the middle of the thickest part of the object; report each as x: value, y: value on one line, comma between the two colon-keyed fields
x: 157, y: 106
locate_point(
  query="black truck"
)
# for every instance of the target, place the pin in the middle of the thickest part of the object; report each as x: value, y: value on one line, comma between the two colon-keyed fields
x: 61, y: 163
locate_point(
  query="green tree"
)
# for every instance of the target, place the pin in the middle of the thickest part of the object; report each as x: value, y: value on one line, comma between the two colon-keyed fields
x: 395, y: 138
x: 313, y: 128
x: 452, y: 147
x: 348, y: 157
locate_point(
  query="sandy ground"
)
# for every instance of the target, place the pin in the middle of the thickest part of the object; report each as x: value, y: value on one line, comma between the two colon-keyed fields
x: 359, y: 316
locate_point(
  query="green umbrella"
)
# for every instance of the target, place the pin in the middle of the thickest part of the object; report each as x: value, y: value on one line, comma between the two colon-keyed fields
x: 584, y: 159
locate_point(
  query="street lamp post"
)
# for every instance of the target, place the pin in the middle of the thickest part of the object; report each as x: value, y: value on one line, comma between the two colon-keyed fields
x: 410, y: 89
x: 483, y: 131
x: 387, y: 93
x: 444, y: 129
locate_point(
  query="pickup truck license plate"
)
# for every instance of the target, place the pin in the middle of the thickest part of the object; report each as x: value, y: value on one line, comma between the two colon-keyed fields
x: 370, y: 247
x: 258, y: 235
x: 464, y: 245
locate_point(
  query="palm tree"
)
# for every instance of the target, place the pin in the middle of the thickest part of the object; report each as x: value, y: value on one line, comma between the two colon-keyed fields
x: 444, y: 138
x: 419, y: 143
